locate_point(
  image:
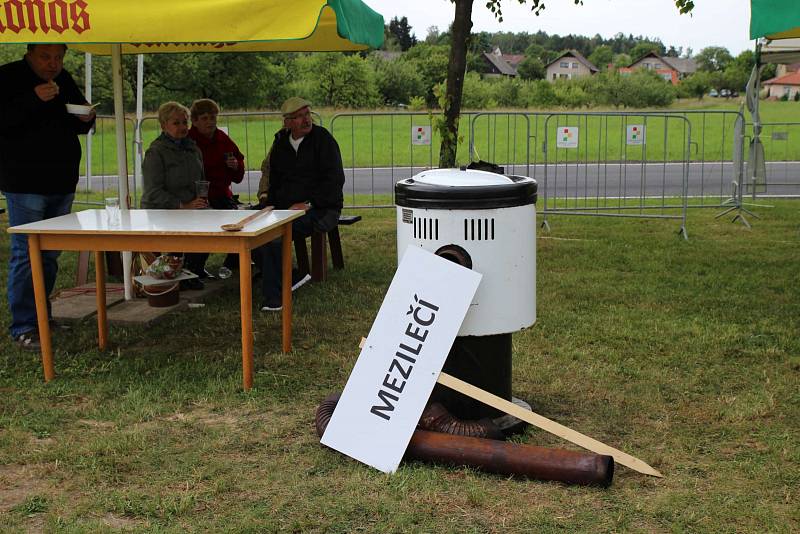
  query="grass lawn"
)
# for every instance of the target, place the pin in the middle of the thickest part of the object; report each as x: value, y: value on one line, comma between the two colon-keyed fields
x: 685, y: 354
x: 385, y: 139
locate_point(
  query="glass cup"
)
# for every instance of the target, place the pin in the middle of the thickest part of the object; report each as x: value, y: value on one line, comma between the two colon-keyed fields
x: 112, y: 211
x: 201, y: 187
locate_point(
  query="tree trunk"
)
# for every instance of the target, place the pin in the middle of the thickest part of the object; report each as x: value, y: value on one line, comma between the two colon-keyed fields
x: 462, y: 24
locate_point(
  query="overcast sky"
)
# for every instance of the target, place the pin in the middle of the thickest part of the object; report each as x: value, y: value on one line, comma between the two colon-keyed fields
x: 712, y: 23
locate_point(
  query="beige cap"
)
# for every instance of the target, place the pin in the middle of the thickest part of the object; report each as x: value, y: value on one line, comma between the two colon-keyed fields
x: 293, y: 104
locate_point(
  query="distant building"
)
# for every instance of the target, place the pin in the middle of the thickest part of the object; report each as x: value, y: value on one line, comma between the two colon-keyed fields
x: 782, y: 70
x: 787, y: 85
x: 499, y: 64
x: 672, y: 69
x: 571, y: 64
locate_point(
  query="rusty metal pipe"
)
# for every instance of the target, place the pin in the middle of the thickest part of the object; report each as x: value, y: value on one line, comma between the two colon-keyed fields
x: 506, y: 458
x: 497, y: 456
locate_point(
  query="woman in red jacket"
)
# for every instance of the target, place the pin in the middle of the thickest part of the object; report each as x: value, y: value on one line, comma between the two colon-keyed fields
x: 223, y: 163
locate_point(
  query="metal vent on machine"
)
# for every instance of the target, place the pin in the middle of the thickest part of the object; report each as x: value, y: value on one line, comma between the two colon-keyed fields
x: 426, y: 228
x: 479, y: 229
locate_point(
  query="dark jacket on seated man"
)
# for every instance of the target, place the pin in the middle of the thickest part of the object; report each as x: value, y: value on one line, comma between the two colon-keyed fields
x: 305, y: 173
x: 314, y: 173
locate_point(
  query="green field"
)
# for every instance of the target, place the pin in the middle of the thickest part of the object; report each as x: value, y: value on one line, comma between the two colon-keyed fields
x: 685, y: 354
x: 384, y: 139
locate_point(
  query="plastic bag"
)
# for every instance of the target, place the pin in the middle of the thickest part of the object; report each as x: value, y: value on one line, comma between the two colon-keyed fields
x: 165, y: 267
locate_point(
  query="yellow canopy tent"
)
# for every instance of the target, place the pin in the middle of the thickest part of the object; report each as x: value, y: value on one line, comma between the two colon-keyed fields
x: 112, y: 27
x: 193, y: 25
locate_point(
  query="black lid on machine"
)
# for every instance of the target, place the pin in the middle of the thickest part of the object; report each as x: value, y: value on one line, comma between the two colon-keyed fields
x: 464, y: 189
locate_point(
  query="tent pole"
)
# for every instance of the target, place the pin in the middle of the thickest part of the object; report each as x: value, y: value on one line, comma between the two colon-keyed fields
x: 122, y: 155
x: 137, y: 142
x: 87, y: 91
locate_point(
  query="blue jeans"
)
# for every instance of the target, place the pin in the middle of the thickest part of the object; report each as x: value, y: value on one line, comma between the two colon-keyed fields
x: 270, y: 256
x: 25, y: 208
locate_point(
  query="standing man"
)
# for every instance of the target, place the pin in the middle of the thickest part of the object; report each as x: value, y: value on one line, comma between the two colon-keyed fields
x: 305, y: 173
x: 39, y: 158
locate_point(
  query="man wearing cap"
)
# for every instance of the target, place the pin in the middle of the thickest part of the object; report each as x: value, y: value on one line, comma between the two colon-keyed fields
x: 305, y: 173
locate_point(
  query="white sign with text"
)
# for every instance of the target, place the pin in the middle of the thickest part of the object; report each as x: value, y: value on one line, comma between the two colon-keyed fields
x: 401, y: 359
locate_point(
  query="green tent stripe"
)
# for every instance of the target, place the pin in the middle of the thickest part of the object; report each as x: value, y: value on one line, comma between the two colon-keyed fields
x: 768, y: 17
x: 358, y: 23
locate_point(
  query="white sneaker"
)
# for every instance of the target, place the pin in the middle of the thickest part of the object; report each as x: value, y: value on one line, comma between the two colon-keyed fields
x: 272, y: 305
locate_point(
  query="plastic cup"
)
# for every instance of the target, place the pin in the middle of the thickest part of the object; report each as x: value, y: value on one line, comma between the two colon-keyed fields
x: 112, y: 211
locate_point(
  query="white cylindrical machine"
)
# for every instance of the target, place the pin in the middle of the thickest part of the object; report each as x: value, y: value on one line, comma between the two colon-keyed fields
x: 485, y: 222
x: 487, y: 219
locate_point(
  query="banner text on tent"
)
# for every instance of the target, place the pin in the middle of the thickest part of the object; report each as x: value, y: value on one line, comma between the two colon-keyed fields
x: 43, y: 17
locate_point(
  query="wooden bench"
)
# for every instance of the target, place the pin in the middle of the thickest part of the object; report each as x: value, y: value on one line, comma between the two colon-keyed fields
x: 319, y: 260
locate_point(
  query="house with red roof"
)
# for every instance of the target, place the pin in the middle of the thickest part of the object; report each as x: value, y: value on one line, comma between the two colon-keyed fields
x: 788, y: 85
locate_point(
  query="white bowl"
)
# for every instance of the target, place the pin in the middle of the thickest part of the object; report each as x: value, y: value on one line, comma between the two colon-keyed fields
x: 78, y: 109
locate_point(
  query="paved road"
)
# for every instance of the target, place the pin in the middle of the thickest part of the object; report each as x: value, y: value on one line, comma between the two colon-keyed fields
x: 571, y: 180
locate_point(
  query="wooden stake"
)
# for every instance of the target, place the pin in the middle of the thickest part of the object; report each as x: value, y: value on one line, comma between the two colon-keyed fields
x: 546, y: 424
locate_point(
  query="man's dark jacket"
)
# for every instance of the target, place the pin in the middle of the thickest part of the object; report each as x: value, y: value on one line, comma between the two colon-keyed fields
x: 314, y: 173
x: 39, y: 148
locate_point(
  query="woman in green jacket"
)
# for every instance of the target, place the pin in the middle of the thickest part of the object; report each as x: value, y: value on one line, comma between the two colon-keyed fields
x: 172, y: 165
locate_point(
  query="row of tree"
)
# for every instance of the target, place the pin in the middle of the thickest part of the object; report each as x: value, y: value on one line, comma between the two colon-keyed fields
x: 415, y: 78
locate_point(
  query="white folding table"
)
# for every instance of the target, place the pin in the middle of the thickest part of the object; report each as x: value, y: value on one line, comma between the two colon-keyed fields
x: 161, y: 230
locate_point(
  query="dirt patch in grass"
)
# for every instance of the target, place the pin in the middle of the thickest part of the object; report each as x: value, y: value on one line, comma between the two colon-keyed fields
x: 118, y: 522
x: 205, y: 416
x: 97, y: 424
x: 34, y: 524
x: 17, y: 483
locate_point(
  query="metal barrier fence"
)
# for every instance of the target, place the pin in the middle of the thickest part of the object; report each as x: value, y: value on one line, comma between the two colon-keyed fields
x: 781, y: 142
x: 506, y: 139
x: 616, y: 164
x: 381, y: 148
x: 716, y: 161
x: 514, y: 140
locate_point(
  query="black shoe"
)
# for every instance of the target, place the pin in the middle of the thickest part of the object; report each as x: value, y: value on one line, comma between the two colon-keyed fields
x: 272, y: 304
x: 192, y: 284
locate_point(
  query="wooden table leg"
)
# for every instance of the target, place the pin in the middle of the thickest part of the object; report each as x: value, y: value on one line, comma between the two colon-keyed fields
x: 40, y: 294
x: 246, y: 302
x: 286, y: 269
x: 100, y: 291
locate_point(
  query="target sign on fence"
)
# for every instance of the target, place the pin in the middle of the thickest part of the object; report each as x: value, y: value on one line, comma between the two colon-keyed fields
x: 567, y: 137
x: 420, y: 135
x: 635, y: 134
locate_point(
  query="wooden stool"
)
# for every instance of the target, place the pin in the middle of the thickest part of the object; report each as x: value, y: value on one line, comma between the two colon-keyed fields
x: 319, y: 260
